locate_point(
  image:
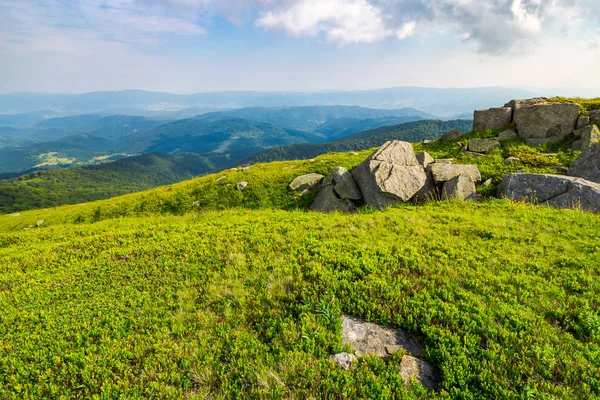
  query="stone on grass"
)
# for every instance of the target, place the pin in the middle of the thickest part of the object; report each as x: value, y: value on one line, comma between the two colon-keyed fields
x: 512, y: 160
x: 39, y: 223
x: 346, y: 360
x: 444, y: 172
x: 493, y: 118
x: 508, y: 134
x: 587, y: 165
x: 533, y: 188
x: 487, y: 183
x: 546, y: 122
x: 581, y: 195
x: 328, y: 201
x: 420, y: 371
x: 451, y: 135
x: 241, y: 185
x: 344, y: 184
x: 460, y: 187
x: 428, y: 192
x: 307, y: 181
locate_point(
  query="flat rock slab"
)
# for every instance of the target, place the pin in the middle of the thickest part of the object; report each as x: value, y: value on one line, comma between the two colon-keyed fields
x: 444, y: 172
x: 380, y: 340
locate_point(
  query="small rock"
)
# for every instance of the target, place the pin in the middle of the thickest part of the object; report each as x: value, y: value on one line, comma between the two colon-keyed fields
x: 307, y: 181
x: 304, y: 192
x: 427, y: 141
x: 513, y: 160
x: 393, y: 348
x: 488, y: 183
x: 582, y: 122
x: 312, y: 160
x: 483, y: 145
x: 228, y: 185
x: 233, y: 169
x: 422, y: 372
x: 451, y: 135
x: 444, y: 172
x: 506, y: 135
x: 39, y: 223
x: 424, y: 159
x: 221, y: 178
x: 346, y: 360
x: 560, y: 169
x: 460, y: 187
x: 245, y: 168
x: 241, y: 185
x: 353, y: 153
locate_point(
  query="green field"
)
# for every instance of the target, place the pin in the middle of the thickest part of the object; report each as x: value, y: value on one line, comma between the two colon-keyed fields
x: 198, y: 290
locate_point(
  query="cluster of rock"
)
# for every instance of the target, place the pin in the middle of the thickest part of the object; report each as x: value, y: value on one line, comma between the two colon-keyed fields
x: 539, y: 121
x: 392, y: 174
x: 37, y: 225
x: 366, y: 338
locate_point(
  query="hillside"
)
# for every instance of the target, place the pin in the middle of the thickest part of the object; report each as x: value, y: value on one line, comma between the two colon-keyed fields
x: 412, y: 132
x: 200, y: 290
x: 78, y: 185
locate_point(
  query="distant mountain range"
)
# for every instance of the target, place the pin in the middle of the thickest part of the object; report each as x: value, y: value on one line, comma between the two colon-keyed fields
x: 446, y: 103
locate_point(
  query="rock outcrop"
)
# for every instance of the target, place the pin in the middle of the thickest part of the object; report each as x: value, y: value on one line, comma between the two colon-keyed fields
x: 545, y: 122
x: 305, y: 182
x: 587, y: 165
x: 443, y: 172
x: 390, y: 175
x: 493, y: 118
x: 557, y: 191
x: 460, y: 187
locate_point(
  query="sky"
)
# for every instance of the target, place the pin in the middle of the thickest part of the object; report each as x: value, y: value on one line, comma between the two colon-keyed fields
x: 189, y: 46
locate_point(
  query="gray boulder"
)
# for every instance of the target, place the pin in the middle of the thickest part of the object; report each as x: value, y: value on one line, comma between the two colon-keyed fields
x: 546, y: 122
x: 508, y: 134
x: 582, y: 195
x: 429, y: 191
x: 328, y: 201
x: 451, y: 135
x: 424, y: 159
x: 533, y: 188
x: 594, y: 116
x: 582, y: 122
x: 587, y: 165
x: 493, y: 118
x: 346, y: 360
x: 483, y: 145
x: 344, y: 184
x: 444, y: 172
x: 589, y: 135
x: 419, y: 370
x: 460, y: 187
x: 514, y: 104
x: 390, y: 175
x: 305, y: 182
x: 241, y: 185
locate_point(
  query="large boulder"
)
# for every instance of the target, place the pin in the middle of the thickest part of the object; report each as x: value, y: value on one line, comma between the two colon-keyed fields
x: 390, y: 175
x: 328, y: 201
x: 483, y: 145
x: 546, y: 122
x: 429, y: 191
x: 306, y: 182
x: 594, y: 116
x: 444, y: 172
x: 587, y: 165
x: 589, y: 135
x: 460, y: 187
x: 493, y: 118
x: 508, y: 134
x: 344, y: 185
x: 557, y: 191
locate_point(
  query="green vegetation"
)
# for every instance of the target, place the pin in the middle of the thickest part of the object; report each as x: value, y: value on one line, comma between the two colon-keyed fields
x: 410, y: 132
x: 78, y: 185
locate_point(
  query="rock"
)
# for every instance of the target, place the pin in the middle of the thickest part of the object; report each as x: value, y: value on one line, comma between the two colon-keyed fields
x: 493, y: 118
x: 582, y: 122
x: 422, y: 372
x: 560, y: 169
x: 483, y: 145
x: 328, y: 201
x: 429, y: 191
x: 514, y: 104
x: 424, y: 159
x: 513, y: 160
x: 346, y: 360
x: 589, y: 135
x: 451, y: 135
x: 506, y: 135
x: 244, y: 168
x: 353, y: 153
x: 473, y: 154
x: 241, y: 185
x: 581, y: 195
x: 577, y: 145
x: 233, y: 169
x: 488, y: 183
x: 443, y: 160
x: 390, y: 175
x: 39, y: 223
x: 444, y: 172
x: 427, y: 141
x: 533, y: 188
x: 312, y: 160
x: 594, y: 116
x: 307, y: 181
x: 304, y: 192
x: 14, y: 215
x: 369, y: 338
x: 546, y: 122
x: 344, y: 184
x: 221, y: 178
x: 587, y: 165
x: 460, y: 187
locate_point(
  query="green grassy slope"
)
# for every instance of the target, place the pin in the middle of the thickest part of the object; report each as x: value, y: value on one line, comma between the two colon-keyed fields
x: 43, y: 189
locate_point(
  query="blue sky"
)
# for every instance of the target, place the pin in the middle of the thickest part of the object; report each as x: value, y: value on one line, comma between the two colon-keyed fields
x: 186, y: 46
